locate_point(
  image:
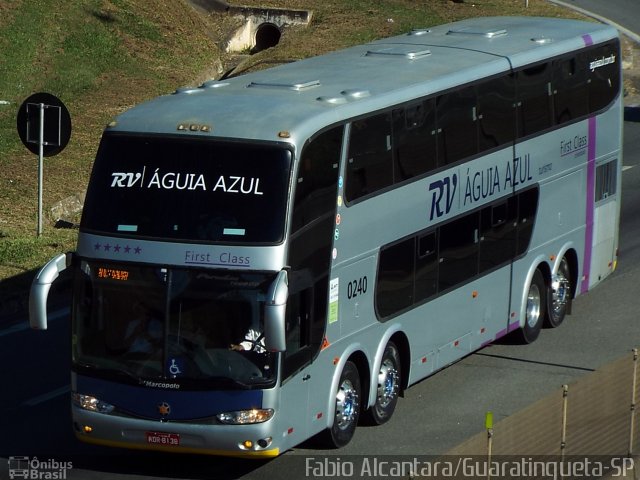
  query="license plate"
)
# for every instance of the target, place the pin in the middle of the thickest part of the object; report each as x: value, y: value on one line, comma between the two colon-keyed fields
x: 164, y: 439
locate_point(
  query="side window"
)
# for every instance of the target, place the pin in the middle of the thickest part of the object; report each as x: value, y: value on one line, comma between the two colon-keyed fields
x: 458, y: 251
x: 498, y: 225
x: 369, y: 161
x: 414, y: 140
x: 394, y: 286
x: 456, y: 124
x: 496, y: 112
x: 527, y: 208
x: 604, y: 68
x: 316, y: 187
x: 534, y: 99
x: 570, y: 89
x: 426, y: 276
x: 311, y: 240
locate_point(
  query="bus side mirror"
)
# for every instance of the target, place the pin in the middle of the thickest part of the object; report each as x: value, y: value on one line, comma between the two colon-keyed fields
x: 40, y: 289
x: 274, y: 314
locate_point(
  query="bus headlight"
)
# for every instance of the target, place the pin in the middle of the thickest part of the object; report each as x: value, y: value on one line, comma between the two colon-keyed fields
x: 243, y: 417
x: 93, y: 404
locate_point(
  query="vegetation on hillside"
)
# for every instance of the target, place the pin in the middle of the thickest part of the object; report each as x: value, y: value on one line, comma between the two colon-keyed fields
x: 103, y: 56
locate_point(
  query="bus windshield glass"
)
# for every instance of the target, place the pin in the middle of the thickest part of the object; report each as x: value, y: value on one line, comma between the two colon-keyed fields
x: 194, y: 328
x: 188, y: 189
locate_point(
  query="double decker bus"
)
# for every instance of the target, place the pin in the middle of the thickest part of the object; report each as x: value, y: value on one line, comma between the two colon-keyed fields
x: 275, y: 256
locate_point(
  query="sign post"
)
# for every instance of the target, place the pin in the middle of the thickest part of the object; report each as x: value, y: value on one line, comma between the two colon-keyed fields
x: 44, y: 126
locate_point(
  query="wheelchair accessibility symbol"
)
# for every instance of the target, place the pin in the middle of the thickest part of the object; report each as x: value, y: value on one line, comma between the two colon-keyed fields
x: 174, y: 369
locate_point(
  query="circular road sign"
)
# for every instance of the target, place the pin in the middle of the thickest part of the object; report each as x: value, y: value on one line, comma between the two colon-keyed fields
x: 57, y: 124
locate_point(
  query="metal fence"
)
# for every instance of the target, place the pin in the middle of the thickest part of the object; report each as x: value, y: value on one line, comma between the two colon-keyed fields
x: 594, y: 416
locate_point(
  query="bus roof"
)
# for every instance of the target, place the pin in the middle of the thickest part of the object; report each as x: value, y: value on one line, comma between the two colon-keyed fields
x: 304, y: 96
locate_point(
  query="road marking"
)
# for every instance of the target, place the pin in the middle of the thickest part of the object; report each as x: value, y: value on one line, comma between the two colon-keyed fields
x: 22, y: 326
x: 627, y: 167
x: 45, y: 397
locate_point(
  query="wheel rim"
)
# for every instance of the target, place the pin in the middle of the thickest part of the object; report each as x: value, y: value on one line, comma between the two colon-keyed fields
x: 560, y: 293
x: 387, y: 383
x: 346, y: 404
x: 534, y: 303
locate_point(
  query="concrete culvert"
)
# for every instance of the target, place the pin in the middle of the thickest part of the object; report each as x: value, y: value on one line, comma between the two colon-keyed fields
x: 267, y: 36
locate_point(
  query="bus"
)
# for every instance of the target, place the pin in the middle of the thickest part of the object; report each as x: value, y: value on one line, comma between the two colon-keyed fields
x: 277, y: 256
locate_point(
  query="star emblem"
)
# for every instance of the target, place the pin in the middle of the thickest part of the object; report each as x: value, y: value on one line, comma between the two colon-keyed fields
x: 164, y: 408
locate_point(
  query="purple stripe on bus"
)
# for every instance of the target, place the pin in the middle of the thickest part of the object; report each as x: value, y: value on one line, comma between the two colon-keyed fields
x: 591, y: 179
x: 588, y: 41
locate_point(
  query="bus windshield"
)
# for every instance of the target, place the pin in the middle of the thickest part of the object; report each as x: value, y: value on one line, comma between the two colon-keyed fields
x: 194, y: 328
x: 188, y: 189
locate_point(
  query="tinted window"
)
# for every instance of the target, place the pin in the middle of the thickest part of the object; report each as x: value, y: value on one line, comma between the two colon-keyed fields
x: 604, y: 67
x: 534, y: 101
x: 458, y: 251
x: 394, y: 290
x: 313, y: 220
x: 498, y: 225
x: 456, y: 122
x: 414, y: 140
x: 432, y: 262
x: 188, y: 189
x: 496, y: 112
x: 570, y: 89
x: 426, y: 266
x: 369, y: 162
x: 527, y: 208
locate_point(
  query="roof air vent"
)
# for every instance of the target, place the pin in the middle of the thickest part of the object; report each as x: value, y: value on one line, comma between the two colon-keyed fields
x: 478, y: 32
x: 298, y: 87
x: 409, y: 52
x: 417, y: 32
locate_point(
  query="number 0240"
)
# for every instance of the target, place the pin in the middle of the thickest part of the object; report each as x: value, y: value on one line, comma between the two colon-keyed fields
x: 357, y: 287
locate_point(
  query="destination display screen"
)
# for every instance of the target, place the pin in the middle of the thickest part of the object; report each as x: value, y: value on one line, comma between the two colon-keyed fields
x: 113, y: 274
x: 188, y: 189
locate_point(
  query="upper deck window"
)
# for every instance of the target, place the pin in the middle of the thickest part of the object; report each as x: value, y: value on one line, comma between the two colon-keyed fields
x: 191, y: 190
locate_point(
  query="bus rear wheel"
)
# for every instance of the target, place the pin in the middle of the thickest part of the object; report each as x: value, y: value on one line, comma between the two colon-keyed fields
x: 559, y: 295
x: 347, y: 409
x: 388, y: 390
x: 535, y: 309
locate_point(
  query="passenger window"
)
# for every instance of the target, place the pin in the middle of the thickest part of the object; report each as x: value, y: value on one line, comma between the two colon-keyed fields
x: 534, y: 99
x: 498, y: 224
x: 496, y: 112
x: 570, y: 90
x: 527, y: 208
x: 456, y: 125
x: 414, y: 140
x: 369, y: 163
x: 458, y: 251
x: 604, y: 69
x: 426, y: 276
x: 394, y: 288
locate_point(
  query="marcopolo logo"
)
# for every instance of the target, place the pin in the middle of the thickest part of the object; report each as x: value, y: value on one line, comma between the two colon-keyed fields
x: 33, y: 468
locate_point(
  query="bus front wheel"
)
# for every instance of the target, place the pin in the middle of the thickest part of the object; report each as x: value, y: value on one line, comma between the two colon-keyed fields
x: 347, y: 409
x: 389, y: 380
x: 534, y: 309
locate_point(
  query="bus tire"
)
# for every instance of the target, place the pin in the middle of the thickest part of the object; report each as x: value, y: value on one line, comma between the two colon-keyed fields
x: 534, y: 309
x: 559, y: 295
x: 347, y: 409
x: 389, y: 382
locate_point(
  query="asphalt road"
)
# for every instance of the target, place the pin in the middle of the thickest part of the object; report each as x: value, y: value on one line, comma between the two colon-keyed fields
x: 622, y: 12
x: 434, y: 416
